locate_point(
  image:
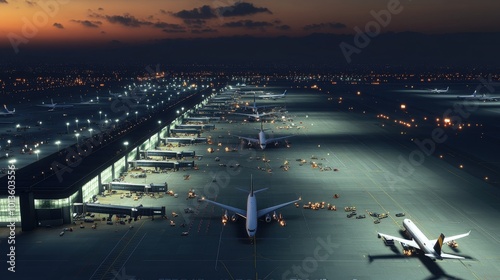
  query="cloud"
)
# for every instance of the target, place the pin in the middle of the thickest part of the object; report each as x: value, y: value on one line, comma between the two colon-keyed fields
x: 195, y: 23
x: 126, y: 20
x: 284, y: 27
x: 241, y: 9
x: 88, y: 23
x: 249, y: 24
x: 163, y: 12
x: 4, y: 2
x: 174, y: 30
x: 100, y: 9
x: 201, y: 31
x: 169, y: 26
x: 129, y: 20
x: 58, y: 25
x: 206, y: 12
x: 30, y: 3
x: 324, y: 25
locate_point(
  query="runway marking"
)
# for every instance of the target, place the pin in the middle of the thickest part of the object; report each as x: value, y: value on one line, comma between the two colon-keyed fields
x: 227, y: 270
x: 218, y: 247
x: 107, y: 271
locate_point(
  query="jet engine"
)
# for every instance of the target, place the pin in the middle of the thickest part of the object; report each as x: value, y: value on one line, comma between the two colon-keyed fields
x: 234, y: 218
x: 224, y: 218
x: 268, y: 218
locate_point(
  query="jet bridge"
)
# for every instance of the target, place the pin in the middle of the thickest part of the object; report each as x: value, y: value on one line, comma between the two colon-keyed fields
x: 132, y: 211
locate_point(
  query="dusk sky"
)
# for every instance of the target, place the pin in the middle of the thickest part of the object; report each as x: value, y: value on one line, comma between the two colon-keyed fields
x: 94, y: 21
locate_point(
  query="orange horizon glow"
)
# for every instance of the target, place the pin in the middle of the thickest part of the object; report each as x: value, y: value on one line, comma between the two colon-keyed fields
x: 18, y: 16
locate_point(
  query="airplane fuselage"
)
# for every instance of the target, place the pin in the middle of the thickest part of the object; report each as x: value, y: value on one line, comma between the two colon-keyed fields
x: 420, y: 238
x: 251, y: 221
x: 262, y: 140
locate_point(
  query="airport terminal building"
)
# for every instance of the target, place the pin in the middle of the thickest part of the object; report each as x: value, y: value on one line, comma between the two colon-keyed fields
x: 48, y: 191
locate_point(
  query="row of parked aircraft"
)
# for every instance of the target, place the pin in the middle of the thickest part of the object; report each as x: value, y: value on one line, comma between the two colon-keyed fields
x: 417, y: 240
x: 474, y: 96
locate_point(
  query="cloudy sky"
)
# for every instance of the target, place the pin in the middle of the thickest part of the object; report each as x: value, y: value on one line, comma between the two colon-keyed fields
x: 136, y: 21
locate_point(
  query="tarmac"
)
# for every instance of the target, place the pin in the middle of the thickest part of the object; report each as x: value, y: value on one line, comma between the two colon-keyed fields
x: 378, y: 170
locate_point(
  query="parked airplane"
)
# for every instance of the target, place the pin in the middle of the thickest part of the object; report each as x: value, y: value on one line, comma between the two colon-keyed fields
x: 256, y: 116
x: 254, y: 107
x: 90, y: 102
x: 116, y: 95
x: 436, y: 90
x: 476, y: 96
x: 52, y: 106
x: 262, y: 141
x: 251, y: 214
x: 431, y: 248
x: 7, y: 112
x: 273, y: 96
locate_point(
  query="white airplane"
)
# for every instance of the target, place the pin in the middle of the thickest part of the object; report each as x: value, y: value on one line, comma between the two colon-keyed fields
x: 90, y: 102
x: 273, y: 96
x: 7, y: 112
x: 255, y: 116
x: 254, y: 107
x: 52, y: 106
x: 431, y: 248
x: 262, y: 141
x: 476, y: 96
x: 251, y: 214
x: 116, y: 95
x: 436, y: 90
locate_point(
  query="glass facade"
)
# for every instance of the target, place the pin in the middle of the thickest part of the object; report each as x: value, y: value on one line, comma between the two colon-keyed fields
x: 51, y: 203
x: 90, y: 189
x: 119, y: 167
x: 9, y: 210
x: 107, y: 175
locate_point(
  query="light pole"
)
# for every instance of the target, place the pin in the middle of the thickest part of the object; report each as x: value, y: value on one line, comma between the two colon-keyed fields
x: 8, y: 142
x: 58, y: 143
x: 78, y: 134
x: 76, y: 123
x: 90, y: 132
x: 100, y: 115
x: 126, y: 155
x: 37, y: 152
x: 136, y: 116
x: 67, y: 128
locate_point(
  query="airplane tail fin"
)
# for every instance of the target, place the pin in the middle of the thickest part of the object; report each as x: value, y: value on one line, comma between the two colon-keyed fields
x: 439, y: 244
x: 5, y: 106
x: 251, y: 185
x: 284, y: 93
x: 474, y: 94
x: 252, y: 191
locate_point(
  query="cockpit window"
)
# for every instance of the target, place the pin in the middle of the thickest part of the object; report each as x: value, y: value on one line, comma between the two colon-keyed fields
x: 251, y: 230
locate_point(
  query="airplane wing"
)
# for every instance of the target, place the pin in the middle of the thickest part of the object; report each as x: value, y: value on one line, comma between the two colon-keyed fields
x: 454, y: 237
x: 265, y: 211
x: 251, y: 140
x: 450, y: 256
x: 238, y: 211
x: 408, y: 242
x: 270, y: 140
